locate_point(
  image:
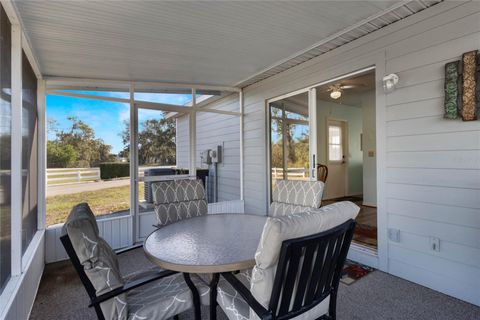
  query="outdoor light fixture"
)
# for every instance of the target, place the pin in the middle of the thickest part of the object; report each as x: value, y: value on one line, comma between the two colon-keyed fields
x: 389, y: 82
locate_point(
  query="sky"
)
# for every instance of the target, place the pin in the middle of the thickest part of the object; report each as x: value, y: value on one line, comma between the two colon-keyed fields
x: 106, y: 117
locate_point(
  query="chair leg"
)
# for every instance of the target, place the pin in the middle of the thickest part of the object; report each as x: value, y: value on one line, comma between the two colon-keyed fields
x: 213, y: 296
x: 332, y: 308
x: 195, y: 296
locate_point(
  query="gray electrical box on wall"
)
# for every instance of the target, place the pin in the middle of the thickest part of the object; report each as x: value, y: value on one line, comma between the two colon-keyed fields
x: 216, y: 154
x: 205, y: 157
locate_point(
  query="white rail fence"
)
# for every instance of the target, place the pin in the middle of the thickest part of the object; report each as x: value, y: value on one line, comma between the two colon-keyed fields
x: 299, y: 173
x: 71, y: 175
x: 75, y: 175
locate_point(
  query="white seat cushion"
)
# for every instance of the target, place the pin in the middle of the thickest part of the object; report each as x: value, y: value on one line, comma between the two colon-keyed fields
x: 164, y: 298
x: 279, y: 229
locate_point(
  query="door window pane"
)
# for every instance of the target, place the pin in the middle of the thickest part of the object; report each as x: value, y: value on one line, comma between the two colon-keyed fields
x: 5, y: 147
x: 335, y: 152
x: 290, y: 136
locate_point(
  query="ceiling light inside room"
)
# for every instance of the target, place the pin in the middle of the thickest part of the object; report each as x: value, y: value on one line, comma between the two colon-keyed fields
x: 335, y: 94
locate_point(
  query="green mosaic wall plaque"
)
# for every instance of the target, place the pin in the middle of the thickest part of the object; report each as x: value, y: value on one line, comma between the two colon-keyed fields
x: 452, y: 96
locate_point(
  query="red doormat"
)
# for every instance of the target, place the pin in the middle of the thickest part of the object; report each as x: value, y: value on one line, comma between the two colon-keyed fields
x: 352, y: 271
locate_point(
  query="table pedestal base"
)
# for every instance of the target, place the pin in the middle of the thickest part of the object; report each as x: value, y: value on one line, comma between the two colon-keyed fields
x: 213, y: 296
x: 195, y: 296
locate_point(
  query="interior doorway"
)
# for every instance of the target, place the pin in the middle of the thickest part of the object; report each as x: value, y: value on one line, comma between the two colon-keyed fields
x: 346, y: 132
x: 330, y: 127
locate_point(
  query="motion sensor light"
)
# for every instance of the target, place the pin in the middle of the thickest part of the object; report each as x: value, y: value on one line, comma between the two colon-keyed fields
x: 389, y: 82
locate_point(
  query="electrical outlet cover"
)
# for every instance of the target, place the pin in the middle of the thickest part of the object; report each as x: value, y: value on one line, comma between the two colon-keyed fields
x: 394, y: 234
x: 435, y: 244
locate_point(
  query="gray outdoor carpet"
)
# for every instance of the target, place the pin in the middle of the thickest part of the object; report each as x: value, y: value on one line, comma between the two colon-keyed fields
x: 375, y: 296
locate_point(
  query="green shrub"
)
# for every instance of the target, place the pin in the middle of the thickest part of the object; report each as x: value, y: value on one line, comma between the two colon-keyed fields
x: 110, y: 170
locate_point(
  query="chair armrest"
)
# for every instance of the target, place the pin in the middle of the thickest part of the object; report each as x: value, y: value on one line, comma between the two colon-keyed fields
x: 129, y: 249
x: 131, y: 285
x: 263, y: 313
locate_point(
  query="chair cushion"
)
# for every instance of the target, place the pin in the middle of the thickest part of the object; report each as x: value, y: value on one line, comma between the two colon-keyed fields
x: 279, y: 229
x: 297, y: 192
x: 98, y: 259
x: 81, y: 211
x: 178, y: 191
x: 172, y: 212
x: 230, y: 300
x: 164, y: 298
x: 236, y: 308
x: 279, y: 209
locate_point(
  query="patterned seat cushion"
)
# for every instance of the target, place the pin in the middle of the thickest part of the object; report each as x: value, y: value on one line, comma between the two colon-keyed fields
x: 292, y: 196
x: 164, y: 298
x: 236, y: 308
x: 98, y: 259
x: 172, y: 212
x: 178, y: 191
x: 230, y: 300
x: 178, y: 199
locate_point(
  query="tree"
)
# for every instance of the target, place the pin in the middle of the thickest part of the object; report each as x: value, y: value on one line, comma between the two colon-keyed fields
x: 76, y: 146
x: 156, y: 141
x: 60, y: 156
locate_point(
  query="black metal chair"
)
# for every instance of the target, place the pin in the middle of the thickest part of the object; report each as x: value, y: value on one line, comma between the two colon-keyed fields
x: 95, y: 300
x: 308, y: 271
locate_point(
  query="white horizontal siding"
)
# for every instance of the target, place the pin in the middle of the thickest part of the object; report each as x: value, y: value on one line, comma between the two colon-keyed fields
x: 433, y: 164
x: 429, y: 167
x: 216, y: 130
x: 182, y: 142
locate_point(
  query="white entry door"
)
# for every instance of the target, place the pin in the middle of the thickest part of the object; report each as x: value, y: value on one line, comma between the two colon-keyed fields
x: 336, y: 186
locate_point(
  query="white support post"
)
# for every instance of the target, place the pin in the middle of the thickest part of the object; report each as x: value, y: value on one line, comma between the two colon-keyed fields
x: 193, y: 136
x: 312, y: 118
x: 16, y: 149
x: 133, y: 164
x: 42, y: 154
x: 240, y: 101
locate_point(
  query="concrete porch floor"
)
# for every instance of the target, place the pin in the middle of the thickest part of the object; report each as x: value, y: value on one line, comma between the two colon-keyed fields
x: 377, y: 296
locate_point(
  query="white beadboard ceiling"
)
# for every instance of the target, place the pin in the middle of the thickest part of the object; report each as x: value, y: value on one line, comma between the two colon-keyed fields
x: 216, y: 43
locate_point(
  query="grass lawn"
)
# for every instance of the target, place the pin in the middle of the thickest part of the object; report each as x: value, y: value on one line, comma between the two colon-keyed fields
x: 102, y: 202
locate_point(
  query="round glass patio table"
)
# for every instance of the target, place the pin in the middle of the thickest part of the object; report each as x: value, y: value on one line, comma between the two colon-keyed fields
x: 212, y: 243
x: 207, y: 244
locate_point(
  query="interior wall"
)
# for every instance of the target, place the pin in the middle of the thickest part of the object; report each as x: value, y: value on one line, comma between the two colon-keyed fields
x: 369, y: 149
x: 353, y: 115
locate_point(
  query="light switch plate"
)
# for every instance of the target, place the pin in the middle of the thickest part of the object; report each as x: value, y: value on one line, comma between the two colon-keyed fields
x: 435, y: 244
x: 394, y: 234
x: 371, y: 154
